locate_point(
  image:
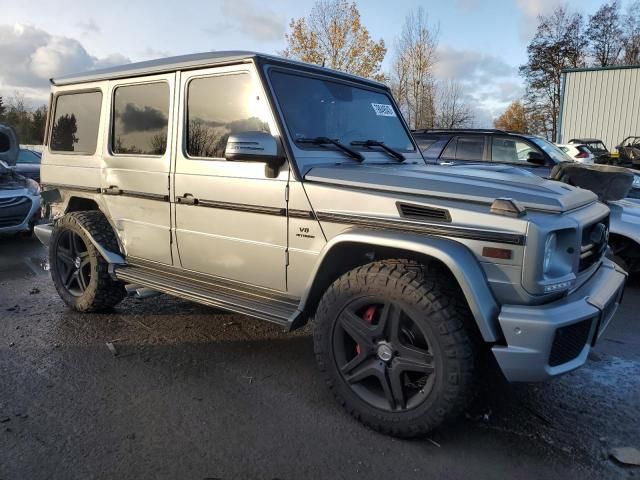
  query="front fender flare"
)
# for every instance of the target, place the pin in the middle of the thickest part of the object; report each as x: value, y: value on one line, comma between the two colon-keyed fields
x: 454, y: 255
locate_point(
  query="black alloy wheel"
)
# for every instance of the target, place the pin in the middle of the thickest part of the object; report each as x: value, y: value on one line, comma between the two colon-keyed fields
x: 384, y: 354
x: 73, y: 262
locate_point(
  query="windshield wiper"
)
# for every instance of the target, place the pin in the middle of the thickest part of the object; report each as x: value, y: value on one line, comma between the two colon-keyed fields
x: 329, y: 141
x: 375, y: 143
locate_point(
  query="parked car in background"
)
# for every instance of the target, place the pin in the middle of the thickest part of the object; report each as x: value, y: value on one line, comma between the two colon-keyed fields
x: 578, y: 153
x: 597, y: 147
x: 469, y: 146
x: 629, y: 152
x: 28, y: 164
x: 472, y: 146
x: 502, y: 149
x: 19, y: 196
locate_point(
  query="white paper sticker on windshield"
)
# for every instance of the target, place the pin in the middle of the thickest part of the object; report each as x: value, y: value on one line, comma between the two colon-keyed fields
x: 383, y: 110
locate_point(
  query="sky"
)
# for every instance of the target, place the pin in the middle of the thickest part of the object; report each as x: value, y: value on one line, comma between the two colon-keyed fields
x: 481, y: 43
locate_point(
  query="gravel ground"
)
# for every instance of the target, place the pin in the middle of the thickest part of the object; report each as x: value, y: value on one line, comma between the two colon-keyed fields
x: 196, y: 393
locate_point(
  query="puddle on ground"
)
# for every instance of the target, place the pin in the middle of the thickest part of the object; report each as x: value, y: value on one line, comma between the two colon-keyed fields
x: 22, y: 258
x: 11, y: 268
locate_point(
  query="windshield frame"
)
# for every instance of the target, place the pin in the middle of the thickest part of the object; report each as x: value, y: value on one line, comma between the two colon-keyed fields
x: 305, y: 156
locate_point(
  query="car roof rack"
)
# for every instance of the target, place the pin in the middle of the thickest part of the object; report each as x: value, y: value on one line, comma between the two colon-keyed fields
x: 457, y: 130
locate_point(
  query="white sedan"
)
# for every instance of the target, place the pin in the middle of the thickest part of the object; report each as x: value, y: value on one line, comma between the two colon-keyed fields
x: 578, y: 153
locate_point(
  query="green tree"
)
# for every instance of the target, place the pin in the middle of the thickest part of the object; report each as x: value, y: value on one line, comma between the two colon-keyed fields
x: 605, y: 34
x: 559, y: 43
x: 333, y: 35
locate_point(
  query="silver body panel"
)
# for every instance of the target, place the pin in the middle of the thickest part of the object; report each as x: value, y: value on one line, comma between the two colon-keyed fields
x: 223, y: 233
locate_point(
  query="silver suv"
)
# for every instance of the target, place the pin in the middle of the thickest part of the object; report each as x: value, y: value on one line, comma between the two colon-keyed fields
x: 291, y: 192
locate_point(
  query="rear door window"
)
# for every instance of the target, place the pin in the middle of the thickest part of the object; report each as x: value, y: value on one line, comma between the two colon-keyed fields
x: 75, y: 122
x: 465, y: 148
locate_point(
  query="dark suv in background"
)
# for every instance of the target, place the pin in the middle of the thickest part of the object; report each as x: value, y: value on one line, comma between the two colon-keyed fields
x: 461, y: 146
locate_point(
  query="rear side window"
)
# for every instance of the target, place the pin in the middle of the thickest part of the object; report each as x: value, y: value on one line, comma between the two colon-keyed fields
x: 140, y: 119
x: 76, y: 122
x: 218, y: 106
x: 470, y: 148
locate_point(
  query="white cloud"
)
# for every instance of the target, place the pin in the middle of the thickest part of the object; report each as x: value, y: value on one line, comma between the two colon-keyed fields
x: 531, y: 9
x: 256, y: 21
x: 88, y: 26
x: 470, y: 65
x: 468, y: 5
x: 488, y: 83
x: 31, y: 56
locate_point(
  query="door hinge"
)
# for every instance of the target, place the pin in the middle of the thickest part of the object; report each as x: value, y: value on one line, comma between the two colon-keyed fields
x: 286, y: 258
x: 286, y: 193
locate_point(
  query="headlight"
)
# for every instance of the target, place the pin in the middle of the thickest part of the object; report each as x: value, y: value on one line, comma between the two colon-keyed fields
x: 549, y: 248
x: 636, y: 181
x: 33, y: 187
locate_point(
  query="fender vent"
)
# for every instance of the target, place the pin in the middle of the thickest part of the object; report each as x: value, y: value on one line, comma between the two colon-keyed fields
x: 420, y: 212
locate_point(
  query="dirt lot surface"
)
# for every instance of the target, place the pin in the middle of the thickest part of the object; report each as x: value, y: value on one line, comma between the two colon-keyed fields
x: 195, y: 393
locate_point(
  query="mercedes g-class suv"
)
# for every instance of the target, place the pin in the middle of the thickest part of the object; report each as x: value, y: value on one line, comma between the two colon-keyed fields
x: 292, y: 192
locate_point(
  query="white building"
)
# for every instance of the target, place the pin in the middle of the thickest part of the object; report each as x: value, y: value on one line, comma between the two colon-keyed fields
x: 600, y: 103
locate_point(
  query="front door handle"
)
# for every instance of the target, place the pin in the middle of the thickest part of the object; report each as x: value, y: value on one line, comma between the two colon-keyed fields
x: 187, y: 199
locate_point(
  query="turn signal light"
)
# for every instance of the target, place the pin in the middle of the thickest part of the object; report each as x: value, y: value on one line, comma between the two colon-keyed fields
x: 501, y: 253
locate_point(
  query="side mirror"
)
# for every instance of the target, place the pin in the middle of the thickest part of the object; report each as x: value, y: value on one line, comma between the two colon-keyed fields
x: 536, y: 158
x: 255, y: 147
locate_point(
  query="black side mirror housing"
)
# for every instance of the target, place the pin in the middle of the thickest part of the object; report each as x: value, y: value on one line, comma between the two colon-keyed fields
x: 536, y: 158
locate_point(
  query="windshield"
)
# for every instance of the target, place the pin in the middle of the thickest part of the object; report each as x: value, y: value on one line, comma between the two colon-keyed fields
x: 550, y: 149
x: 315, y: 108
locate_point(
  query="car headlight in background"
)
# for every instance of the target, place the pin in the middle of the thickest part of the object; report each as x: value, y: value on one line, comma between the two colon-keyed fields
x: 33, y: 187
x: 550, y: 246
x: 636, y: 181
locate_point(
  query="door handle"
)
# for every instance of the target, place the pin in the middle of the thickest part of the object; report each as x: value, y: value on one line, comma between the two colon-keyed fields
x: 446, y: 164
x: 112, y: 190
x: 187, y: 199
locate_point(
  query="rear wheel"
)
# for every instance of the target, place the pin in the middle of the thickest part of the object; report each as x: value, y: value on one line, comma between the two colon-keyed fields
x: 79, y: 272
x: 394, y: 347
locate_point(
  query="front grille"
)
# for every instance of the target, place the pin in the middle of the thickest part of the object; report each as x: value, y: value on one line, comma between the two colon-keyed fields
x: 594, y: 243
x: 13, y: 211
x: 421, y: 212
x: 569, y: 341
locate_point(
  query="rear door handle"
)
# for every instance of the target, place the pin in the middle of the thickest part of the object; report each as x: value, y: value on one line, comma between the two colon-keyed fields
x: 112, y: 190
x: 187, y: 199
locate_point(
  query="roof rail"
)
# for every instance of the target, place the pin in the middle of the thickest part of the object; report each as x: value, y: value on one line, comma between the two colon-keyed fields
x: 475, y: 130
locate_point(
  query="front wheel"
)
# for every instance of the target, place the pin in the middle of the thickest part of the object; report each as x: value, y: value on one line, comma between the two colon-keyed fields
x: 80, y: 274
x: 394, y: 347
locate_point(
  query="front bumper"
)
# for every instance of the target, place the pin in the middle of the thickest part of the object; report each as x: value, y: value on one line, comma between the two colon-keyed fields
x: 14, y: 218
x: 547, y: 340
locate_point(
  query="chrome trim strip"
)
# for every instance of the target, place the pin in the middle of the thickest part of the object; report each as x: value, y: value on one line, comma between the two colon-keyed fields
x: 241, y: 207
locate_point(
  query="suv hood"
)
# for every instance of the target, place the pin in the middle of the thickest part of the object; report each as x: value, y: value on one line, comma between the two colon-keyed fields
x: 473, y: 184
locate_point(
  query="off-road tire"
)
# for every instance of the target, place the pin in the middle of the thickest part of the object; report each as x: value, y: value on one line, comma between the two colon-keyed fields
x: 102, y: 291
x: 424, y: 292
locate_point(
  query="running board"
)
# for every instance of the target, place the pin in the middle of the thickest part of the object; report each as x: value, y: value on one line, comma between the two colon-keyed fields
x: 233, y: 296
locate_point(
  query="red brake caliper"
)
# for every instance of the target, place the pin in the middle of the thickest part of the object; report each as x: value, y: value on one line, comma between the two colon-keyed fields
x: 368, y: 316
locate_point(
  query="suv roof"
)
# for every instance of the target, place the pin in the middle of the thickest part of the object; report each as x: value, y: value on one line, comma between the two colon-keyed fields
x: 459, y: 130
x: 194, y: 60
x: 585, y: 140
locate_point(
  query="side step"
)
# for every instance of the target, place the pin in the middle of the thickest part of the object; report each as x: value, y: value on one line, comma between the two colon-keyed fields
x: 236, y: 297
